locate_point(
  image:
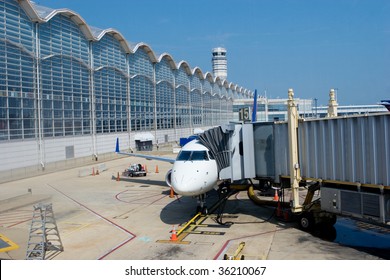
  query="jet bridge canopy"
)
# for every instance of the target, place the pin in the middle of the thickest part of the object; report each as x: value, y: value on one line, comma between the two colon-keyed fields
x: 217, y: 141
x: 232, y: 147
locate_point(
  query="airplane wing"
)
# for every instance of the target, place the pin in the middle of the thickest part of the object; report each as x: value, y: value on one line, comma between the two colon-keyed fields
x: 148, y: 157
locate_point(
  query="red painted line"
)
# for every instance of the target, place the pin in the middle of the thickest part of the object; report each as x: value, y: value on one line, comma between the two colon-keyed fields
x: 117, y: 196
x: 157, y: 200
x: 221, y: 250
x: 248, y: 236
x: 132, y: 201
x: 116, y: 248
x: 132, y: 236
x: 14, y: 218
x: 18, y: 223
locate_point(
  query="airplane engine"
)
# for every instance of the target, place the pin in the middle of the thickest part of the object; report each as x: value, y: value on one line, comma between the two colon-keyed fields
x: 168, y: 178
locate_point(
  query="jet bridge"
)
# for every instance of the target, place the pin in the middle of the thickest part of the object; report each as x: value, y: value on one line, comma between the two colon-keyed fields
x: 349, y: 157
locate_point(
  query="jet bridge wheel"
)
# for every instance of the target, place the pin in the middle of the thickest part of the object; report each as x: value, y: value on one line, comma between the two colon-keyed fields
x: 306, y: 221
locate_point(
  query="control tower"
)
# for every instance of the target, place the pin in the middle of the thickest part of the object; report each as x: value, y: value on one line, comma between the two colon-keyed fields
x: 219, y: 63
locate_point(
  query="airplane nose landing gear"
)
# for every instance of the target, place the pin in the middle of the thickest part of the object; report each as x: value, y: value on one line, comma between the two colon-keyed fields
x: 202, y: 208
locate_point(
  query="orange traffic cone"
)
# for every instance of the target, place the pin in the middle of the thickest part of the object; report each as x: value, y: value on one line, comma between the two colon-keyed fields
x: 173, y: 234
x: 276, y: 196
x: 172, y: 193
x: 93, y: 171
x: 117, y: 178
x: 156, y: 168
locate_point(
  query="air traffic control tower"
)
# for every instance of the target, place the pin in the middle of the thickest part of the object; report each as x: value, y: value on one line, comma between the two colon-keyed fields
x: 219, y: 63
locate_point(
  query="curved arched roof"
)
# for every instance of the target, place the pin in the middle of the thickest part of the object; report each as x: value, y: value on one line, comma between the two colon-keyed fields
x: 225, y: 84
x: 117, y: 35
x: 186, y: 67
x: 41, y: 14
x: 147, y: 49
x: 169, y: 58
x: 198, y: 71
x: 209, y: 77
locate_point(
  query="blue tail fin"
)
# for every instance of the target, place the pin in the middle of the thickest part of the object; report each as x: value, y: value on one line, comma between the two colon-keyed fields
x: 117, y: 145
x: 385, y: 103
x: 254, y: 109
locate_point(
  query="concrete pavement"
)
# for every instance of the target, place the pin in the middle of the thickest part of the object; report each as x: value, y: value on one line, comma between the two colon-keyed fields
x: 99, y: 217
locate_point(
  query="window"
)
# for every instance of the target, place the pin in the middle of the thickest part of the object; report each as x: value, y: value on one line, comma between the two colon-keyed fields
x: 192, y: 156
x: 199, y: 155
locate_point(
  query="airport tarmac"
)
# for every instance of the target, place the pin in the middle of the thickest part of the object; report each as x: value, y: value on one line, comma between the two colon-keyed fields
x: 99, y: 217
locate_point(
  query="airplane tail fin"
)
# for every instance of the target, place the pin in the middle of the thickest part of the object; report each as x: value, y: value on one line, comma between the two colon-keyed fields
x: 254, y: 109
x: 117, y: 145
x: 386, y: 103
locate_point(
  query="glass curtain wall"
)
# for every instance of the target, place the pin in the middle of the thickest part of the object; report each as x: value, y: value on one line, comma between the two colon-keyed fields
x: 17, y: 63
x: 196, y: 108
x: 64, y: 60
x: 182, y: 107
x: 55, y: 61
x: 165, y: 105
x: 110, y: 84
x: 141, y: 91
x: 182, y: 98
x: 165, y: 94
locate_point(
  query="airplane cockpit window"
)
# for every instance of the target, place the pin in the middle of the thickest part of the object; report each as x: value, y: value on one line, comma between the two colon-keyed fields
x: 184, y: 155
x: 192, y: 155
x: 199, y: 155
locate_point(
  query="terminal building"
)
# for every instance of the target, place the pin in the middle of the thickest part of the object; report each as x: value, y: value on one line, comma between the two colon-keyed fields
x: 270, y: 109
x: 68, y: 90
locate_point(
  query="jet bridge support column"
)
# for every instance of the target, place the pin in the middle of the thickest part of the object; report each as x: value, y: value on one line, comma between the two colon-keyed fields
x: 295, y: 172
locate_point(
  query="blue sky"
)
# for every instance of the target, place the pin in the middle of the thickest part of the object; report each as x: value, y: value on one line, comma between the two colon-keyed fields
x: 308, y: 45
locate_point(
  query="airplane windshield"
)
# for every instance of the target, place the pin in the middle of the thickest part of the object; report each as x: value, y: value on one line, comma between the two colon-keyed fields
x: 192, y: 155
x: 184, y: 155
x: 199, y: 155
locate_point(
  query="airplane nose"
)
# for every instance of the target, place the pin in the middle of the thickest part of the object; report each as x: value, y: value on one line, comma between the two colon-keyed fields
x: 192, y: 178
x: 185, y: 184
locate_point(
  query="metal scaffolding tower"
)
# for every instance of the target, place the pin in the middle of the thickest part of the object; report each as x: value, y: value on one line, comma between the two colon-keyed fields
x: 44, y: 235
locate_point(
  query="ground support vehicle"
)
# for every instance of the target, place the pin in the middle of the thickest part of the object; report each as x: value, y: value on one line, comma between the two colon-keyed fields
x: 135, y: 170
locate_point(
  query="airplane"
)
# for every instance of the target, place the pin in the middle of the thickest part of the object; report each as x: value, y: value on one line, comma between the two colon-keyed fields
x: 386, y: 103
x: 194, y: 171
